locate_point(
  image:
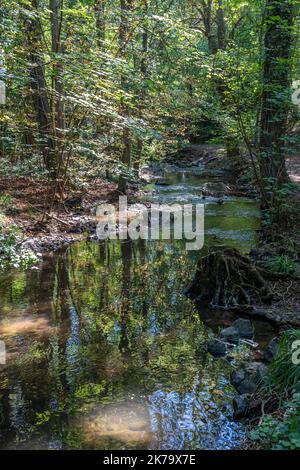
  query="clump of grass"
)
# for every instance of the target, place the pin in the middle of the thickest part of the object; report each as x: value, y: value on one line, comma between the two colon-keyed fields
x: 5, y: 201
x: 280, y: 430
x: 283, y: 375
x: 281, y: 264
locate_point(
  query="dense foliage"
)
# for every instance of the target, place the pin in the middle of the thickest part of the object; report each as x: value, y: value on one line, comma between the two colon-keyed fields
x: 93, y: 85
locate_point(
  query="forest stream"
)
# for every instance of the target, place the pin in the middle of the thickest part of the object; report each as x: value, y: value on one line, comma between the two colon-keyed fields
x: 104, y: 351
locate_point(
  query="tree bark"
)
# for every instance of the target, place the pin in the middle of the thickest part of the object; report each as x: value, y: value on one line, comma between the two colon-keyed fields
x: 144, y: 72
x: 99, y: 8
x: 275, y: 97
x: 124, y: 30
x: 221, y: 26
x: 58, y: 103
x: 217, y: 41
x: 40, y: 97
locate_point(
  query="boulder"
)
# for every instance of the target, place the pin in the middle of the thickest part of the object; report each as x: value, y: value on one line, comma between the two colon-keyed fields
x: 244, y: 328
x: 245, y: 406
x: 214, y: 189
x: 271, y: 350
x: 230, y: 335
x: 247, y: 379
x: 216, y: 348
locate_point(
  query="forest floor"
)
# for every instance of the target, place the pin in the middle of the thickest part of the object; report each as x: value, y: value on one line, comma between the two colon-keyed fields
x: 45, y: 228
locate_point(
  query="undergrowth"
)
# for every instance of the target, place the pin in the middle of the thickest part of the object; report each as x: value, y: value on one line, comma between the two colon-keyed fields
x: 12, y: 254
x: 281, y: 430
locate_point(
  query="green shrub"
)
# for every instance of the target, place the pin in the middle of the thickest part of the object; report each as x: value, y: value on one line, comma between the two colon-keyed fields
x: 283, y: 376
x: 12, y: 254
x: 281, y: 433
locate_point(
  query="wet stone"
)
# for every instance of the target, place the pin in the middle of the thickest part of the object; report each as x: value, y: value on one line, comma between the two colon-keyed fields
x: 271, y: 350
x: 230, y: 335
x: 248, y: 385
x: 241, y: 406
x: 247, y: 379
x: 237, y: 377
x: 216, y: 348
x: 257, y: 369
x: 244, y: 328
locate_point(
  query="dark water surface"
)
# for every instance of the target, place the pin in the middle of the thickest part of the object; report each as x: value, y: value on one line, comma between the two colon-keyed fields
x: 104, y: 351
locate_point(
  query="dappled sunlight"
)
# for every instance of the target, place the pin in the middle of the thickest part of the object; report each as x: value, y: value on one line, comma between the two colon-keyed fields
x: 128, y: 422
x: 21, y: 326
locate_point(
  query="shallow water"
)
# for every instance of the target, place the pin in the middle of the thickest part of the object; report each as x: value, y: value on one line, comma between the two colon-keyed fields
x: 105, y: 352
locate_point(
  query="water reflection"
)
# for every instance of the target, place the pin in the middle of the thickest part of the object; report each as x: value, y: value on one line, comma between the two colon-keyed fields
x: 98, y: 341
x: 110, y: 426
x: 104, y: 351
x: 192, y: 421
x: 234, y: 222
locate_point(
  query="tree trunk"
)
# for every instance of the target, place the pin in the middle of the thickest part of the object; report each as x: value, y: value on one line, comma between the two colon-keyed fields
x: 216, y: 42
x: 144, y: 71
x: 99, y: 8
x: 58, y: 104
x: 276, y: 93
x: 126, y: 6
x: 206, y: 14
x: 41, y: 102
x: 221, y: 27
x: 57, y: 100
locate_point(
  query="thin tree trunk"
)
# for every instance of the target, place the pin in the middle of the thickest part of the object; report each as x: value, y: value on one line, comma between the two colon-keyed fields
x: 144, y: 72
x: 58, y: 103
x: 206, y: 14
x: 57, y: 100
x: 221, y: 26
x: 99, y: 8
x: 124, y: 30
x: 217, y: 42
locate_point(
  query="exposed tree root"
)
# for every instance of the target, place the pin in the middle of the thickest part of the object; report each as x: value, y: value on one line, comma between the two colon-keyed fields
x: 228, y: 280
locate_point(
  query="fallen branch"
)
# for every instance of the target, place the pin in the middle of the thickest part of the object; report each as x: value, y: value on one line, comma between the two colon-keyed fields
x: 51, y: 216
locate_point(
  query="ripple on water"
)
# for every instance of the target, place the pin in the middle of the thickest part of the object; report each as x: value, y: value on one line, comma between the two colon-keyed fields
x: 191, y: 421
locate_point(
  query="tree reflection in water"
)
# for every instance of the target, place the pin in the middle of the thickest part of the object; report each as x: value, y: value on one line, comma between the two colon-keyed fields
x: 115, y: 359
